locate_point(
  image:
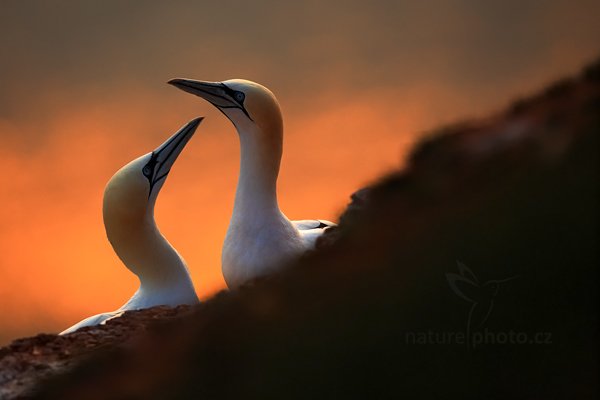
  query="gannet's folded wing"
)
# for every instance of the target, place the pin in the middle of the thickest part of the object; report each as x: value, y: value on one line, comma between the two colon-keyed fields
x: 311, y: 229
x: 93, y: 320
x: 307, y: 224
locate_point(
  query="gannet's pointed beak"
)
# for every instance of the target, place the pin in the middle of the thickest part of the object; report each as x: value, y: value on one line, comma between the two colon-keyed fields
x: 214, y: 92
x: 217, y: 93
x: 163, y: 158
x: 172, y: 147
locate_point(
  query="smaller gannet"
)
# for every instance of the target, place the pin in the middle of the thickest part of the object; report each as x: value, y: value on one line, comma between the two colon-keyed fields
x: 260, y: 237
x: 128, y: 211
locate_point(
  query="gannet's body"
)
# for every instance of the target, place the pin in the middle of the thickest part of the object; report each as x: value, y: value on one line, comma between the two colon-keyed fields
x: 128, y: 211
x: 260, y: 237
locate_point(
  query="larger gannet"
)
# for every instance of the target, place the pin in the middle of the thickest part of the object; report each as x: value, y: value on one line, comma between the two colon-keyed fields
x: 260, y: 237
x: 128, y: 211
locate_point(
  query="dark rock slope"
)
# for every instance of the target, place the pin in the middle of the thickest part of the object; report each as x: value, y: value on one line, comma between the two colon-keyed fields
x: 472, y: 273
x: 26, y: 362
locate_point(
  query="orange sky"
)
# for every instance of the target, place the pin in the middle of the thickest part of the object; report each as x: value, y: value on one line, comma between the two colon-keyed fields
x: 83, y: 93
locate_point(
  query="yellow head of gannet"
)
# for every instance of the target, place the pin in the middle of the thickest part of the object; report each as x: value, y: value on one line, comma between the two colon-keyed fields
x: 128, y: 210
x: 245, y: 103
x: 260, y: 237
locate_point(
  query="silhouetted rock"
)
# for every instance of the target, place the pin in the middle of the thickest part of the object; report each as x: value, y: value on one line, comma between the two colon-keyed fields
x: 26, y: 362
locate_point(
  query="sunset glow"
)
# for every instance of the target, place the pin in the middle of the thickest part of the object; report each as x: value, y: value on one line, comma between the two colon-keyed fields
x: 349, y: 118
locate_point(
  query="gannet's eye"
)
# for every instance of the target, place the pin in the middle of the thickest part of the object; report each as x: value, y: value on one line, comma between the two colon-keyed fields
x: 147, y: 170
x: 239, y: 96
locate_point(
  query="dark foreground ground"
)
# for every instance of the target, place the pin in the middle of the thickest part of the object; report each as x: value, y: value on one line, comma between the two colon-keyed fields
x: 473, y: 273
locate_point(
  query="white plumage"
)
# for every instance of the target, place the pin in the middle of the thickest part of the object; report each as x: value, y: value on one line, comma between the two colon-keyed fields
x: 128, y: 210
x: 260, y: 237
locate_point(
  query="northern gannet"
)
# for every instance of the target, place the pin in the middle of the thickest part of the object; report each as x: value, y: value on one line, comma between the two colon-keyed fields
x: 128, y: 211
x: 260, y: 237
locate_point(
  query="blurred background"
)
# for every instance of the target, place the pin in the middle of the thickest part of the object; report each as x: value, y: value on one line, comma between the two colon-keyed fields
x: 82, y: 92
